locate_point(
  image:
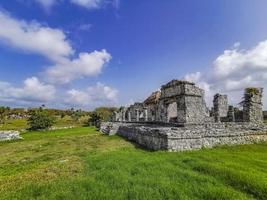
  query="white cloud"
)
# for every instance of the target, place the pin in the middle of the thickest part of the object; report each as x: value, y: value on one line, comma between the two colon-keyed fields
x: 47, y: 4
x: 33, y: 37
x: 88, y: 64
x: 235, y: 70
x: 89, y: 4
x: 32, y: 91
x: 85, y: 27
x: 51, y: 43
x: 97, y: 95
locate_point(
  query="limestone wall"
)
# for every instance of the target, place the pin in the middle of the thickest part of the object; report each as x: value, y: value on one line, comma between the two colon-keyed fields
x: 220, y: 106
x: 252, y: 105
x: 190, y: 137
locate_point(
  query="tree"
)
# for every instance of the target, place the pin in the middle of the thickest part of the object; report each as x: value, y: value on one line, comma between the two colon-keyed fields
x: 4, y: 111
x: 105, y: 112
x: 40, y: 120
x: 95, y: 119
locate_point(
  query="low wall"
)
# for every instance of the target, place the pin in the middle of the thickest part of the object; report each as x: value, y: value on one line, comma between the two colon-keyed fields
x: 189, y: 137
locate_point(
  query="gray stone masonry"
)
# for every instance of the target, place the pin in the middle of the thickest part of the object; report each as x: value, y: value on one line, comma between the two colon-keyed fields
x: 157, y: 137
x: 220, y: 106
x: 252, y: 105
x: 231, y: 114
x: 177, y: 119
x: 182, y: 102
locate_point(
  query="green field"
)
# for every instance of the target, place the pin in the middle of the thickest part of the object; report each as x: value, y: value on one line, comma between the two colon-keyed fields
x: 80, y: 163
x: 18, y: 124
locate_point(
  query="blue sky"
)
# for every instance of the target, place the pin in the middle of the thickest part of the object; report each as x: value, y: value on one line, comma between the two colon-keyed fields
x: 88, y: 53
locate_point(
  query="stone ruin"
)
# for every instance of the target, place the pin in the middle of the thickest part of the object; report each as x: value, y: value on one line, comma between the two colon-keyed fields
x: 176, y: 118
x: 9, y: 135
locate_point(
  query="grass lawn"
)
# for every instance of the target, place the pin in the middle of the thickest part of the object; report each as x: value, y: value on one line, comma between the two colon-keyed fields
x: 18, y: 124
x: 80, y: 163
x: 14, y: 124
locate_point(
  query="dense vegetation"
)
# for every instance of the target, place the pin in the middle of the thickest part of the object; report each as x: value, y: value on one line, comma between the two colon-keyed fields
x: 80, y: 163
x: 40, y: 119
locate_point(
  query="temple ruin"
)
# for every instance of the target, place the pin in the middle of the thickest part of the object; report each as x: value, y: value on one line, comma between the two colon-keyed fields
x: 176, y: 118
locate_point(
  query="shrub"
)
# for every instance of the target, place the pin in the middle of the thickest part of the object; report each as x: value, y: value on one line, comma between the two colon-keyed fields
x: 40, y: 120
x: 95, y: 119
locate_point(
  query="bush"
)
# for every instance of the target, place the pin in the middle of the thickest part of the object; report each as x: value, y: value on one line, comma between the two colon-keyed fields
x: 95, y: 119
x: 40, y: 120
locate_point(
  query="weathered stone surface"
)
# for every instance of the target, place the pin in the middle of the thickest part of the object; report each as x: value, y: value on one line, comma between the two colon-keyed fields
x: 182, y: 102
x: 109, y: 128
x: 151, y: 105
x: 189, y: 137
x: 252, y: 105
x: 220, y: 106
x: 182, y: 121
x: 9, y: 135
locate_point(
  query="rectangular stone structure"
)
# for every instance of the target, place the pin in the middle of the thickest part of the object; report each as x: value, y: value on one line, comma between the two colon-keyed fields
x: 189, y: 100
x: 252, y: 105
x: 220, y: 106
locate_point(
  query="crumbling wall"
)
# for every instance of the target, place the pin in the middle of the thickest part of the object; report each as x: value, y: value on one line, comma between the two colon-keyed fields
x: 220, y: 107
x: 252, y: 105
x: 188, y: 98
x: 191, y: 137
x: 182, y: 103
x: 196, y: 111
x: 151, y: 105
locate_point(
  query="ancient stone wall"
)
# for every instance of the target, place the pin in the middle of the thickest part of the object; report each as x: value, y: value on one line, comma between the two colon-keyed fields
x: 182, y: 102
x: 220, y: 106
x: 151, y: 105
x: 191, y: 137
x: 252, y: 105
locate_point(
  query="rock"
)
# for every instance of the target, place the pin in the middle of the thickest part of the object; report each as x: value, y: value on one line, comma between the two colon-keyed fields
x: 9, y: 135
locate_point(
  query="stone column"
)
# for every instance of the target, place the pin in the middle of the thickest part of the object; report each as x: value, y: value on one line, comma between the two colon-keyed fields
x: 220, y: 106
x: 145, y: 115
x: 129, y: 116
x: 252, y: 105
x: 137, y: 115
x: 114, y: 116
x: 231, y: 114
x: 123, y: 112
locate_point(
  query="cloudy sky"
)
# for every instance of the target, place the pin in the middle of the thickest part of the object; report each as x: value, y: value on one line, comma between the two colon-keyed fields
x: 88, y: 53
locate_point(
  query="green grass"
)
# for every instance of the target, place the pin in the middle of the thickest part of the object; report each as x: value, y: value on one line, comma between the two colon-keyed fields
x: 80, y: 163
x: 14, y: 124
x: 19, y: 124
